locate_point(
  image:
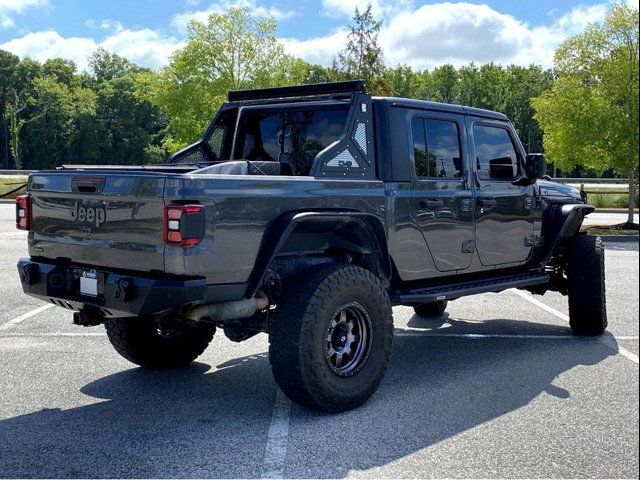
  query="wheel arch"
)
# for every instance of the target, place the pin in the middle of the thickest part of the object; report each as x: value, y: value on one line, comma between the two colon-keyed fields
x: 311, y: 231
x: 559, y: 223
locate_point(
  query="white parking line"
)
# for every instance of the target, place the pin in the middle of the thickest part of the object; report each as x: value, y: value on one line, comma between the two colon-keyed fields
x: 608, y: 340
x: 17, y: 320
x: 538, y: 303
x: 419, y: 333
x: 402, y: 332
x: 54, y: 334
x: 275, y: 452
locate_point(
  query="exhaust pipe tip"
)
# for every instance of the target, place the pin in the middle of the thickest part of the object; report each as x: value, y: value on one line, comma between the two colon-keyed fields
x: 217, y: 312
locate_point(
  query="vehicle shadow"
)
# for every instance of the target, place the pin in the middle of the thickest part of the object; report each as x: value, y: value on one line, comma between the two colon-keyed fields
x: 212, y: 422
x: 440, y: 386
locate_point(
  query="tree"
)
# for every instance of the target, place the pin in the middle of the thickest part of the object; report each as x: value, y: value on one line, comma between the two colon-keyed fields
x: 443, y: 84
x: 230, y: 51
x: 62, y: 133
x: 590, y: 115
x: 8, y: 65
x: 21, y: 107
x: 521, y: 85
x: 403, y: 81
x: 362, y: 56
x: 106, y: 66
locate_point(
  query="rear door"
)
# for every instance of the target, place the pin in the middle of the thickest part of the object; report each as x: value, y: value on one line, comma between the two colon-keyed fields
x: 442, y: 202
x: 100, y: 219
x: 504, y: 211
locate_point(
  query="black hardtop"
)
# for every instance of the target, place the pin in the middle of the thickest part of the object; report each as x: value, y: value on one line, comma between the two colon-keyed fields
x: 337, y: 90
x: 441, y: 107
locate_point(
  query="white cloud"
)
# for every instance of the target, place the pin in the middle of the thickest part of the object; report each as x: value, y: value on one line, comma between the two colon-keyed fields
x: 320, y: 50
x: 8, y: 7
x: 423, y: 37
x: 6, y: 21
x: 379, y: 8
x: 49, y: 44
x: 452, y: 33
x: 338, y: 8
x: 144, y: 47
x: 18, y: 6
x: 181, y: 20
x: 578, y: 18
x: 456, y: 33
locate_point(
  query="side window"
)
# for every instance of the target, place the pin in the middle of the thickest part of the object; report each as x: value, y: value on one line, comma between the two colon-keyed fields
x: 436, y: 147
x: 216, y: 139
x: 419, y: 147
x: 443, y: 147
x: 220, y: 136
x: 496, y: 156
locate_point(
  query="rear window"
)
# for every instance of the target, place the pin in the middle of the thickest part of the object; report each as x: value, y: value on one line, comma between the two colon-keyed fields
x: 293, y: 137
x: 436, y: 148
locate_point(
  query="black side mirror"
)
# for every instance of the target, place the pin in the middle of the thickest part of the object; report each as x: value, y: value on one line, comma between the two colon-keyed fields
x: 535, y: 166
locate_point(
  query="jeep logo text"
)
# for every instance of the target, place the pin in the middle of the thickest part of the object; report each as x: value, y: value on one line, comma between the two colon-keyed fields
x: 95, y: 215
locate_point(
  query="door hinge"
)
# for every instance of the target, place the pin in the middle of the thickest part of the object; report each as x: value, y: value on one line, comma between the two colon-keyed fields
x: 530, y: 203
x: 532, y: 240
x: 468, y: 246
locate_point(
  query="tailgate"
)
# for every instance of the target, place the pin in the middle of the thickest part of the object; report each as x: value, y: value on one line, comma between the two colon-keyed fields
x: 96, y: 218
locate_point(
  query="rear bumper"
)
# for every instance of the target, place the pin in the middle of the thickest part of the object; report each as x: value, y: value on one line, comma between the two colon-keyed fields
x: 118, y: 295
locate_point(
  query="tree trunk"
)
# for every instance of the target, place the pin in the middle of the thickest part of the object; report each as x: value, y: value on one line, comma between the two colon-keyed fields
x: 5, y: 144
x: 632, y: 196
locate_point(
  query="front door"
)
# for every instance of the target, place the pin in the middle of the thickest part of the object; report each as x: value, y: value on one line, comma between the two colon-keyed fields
x: 504, y: 210
x: 442, y: 202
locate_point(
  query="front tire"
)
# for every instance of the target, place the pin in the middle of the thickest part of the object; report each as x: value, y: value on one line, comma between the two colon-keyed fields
x: 330, y: 343
x: 587, y: 294
x: 139, y: 340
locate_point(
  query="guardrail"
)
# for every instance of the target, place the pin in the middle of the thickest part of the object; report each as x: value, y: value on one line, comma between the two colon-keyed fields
x: 603, y: 182
x: 17, y: 172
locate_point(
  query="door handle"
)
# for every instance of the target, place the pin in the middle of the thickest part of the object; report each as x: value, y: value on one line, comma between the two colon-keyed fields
x: 431, y: 203
x: 487, y: 202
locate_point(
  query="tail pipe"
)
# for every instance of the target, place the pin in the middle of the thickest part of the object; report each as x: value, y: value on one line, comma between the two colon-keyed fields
x: 229, y: 310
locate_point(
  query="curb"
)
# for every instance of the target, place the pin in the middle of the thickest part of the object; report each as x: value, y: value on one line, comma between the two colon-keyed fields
x: 619, y: 238
x: 614, y: 210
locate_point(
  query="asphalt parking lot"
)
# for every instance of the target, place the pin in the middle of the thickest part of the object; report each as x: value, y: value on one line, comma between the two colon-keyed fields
x: 495, y: 388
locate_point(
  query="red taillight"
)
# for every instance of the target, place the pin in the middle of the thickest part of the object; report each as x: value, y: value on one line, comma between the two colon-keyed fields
x: 183, y: 225
x: 23, y: 212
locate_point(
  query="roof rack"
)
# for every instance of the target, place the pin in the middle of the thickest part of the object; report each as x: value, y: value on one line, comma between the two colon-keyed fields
x: 313, y: 90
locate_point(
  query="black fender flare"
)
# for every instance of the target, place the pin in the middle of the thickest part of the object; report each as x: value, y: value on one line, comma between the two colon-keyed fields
x: 563, y: 221
x: 281, y: 229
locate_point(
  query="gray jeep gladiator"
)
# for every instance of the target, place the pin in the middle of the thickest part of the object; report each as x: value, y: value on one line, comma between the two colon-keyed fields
x: 306, y: 213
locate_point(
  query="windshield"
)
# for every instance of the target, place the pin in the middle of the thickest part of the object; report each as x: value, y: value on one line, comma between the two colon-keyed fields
x: 291, y: 136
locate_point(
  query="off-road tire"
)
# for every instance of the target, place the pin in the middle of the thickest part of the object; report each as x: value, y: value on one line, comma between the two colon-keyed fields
x: 431, y: 309
x: 298, y: 337
x: 587, y: 295
x: 139, y: 341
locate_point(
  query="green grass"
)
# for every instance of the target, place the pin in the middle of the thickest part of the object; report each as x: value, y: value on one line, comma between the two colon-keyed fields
x: 604, y: 231
x: 615, y: 200
x: 9, y: 183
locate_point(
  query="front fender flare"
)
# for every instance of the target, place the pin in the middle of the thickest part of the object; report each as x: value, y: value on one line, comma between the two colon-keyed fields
x: 562, y: 222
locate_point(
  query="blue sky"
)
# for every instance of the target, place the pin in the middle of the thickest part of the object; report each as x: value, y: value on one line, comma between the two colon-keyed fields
x: 418, y: 33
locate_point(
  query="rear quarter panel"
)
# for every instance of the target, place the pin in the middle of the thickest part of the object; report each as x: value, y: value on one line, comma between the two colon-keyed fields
x: 240, y: 209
